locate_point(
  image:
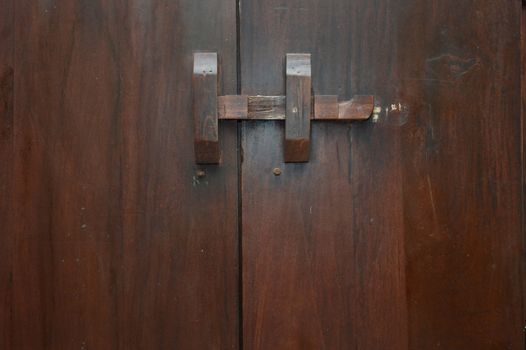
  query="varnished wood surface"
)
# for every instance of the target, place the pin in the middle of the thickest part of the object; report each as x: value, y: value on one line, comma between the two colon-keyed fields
x: 204, y: 101
x: 326, y: 107
x: 119, y: 244
x: 6, y: 168
x: 461, y: 172
x: 298, y: 108
x: 323, y: 247
x: 523, y: 116
x: 404, y: 232
x: 232, y: 107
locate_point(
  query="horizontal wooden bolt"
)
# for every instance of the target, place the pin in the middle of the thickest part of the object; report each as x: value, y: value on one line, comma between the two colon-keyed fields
x: 326, y: 107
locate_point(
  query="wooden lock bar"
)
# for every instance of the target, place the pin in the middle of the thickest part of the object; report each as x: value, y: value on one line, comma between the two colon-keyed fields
x: 298, y: 108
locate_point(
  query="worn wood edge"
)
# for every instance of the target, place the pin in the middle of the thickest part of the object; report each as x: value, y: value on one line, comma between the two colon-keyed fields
x: 326, y: 107
x: 360, y: 107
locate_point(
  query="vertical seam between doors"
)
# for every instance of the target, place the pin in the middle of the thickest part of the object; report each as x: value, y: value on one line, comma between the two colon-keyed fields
x: 239, y: 181
x: 522, y: 263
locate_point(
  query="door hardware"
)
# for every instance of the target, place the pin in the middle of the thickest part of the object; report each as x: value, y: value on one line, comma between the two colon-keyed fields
x: 298, y: 107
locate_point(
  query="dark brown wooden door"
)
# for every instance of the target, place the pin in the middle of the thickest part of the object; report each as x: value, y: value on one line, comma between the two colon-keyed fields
x: 401, y: 232
x: 113, y: 241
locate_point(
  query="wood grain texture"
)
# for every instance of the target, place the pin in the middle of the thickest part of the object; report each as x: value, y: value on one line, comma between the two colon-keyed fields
x: 6, y: 168
x: 298, y: 108
x: 523, y: 140
x: 459, y: 81
x: 360, y: 107
x: 411, y: 236
x: 232, y: 107
x: 326, y: 107
x: 204, y: 97
x: 323, y: 254
x: 267, y: 107
x: 112, y: 251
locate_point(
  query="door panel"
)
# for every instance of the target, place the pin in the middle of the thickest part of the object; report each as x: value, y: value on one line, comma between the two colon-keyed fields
x: 323, y: 262
x: 112, y: 251
x: 403, y: 231
x: 462, y: 173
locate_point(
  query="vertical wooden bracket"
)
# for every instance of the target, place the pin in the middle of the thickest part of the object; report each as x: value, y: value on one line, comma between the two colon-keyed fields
x: 204, y: 91
x: 298, y: 108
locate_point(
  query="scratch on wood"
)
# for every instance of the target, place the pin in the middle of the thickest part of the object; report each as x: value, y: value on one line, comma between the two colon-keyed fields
x: 449, y: 68
x: 431, y: 197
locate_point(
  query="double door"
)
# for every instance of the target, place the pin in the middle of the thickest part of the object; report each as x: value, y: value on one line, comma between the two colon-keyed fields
x: 400, y: 232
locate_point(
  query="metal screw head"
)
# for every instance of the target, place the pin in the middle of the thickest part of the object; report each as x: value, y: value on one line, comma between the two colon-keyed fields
x: 276, y: 171
x: 200, y: 173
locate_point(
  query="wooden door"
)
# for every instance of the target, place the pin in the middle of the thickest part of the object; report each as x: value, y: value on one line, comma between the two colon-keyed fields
x: 113, y: 241
x: 401, y: 232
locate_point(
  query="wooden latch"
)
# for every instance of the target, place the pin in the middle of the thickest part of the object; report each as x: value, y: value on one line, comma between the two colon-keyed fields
x: 297, y: 108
